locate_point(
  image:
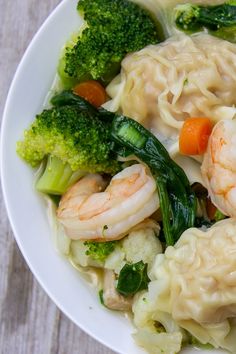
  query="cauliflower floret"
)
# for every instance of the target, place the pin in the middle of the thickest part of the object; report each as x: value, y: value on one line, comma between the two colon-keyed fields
x: 146, y: 317
x: 142, y: 245
x: 142, y: 313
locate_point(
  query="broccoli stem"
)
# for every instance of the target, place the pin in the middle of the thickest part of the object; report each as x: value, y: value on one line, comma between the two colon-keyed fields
x: 57, y: 177
x: 177, y: 200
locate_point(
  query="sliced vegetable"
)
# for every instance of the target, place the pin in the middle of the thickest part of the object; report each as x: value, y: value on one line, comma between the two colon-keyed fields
x: 194, y: 136
x: 92, y: 91
x: 68, y: 98
x: 132, y: 278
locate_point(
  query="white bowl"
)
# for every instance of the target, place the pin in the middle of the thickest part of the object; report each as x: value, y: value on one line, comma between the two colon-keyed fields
x: 26, y: 209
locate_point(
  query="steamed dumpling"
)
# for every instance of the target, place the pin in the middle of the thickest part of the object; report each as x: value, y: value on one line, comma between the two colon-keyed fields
x: 203, y: 266
x: 195, y: 282
x: 162, y: 85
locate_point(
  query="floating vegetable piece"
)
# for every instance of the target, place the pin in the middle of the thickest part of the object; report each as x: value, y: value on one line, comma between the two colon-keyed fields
x: 100, y: 295
x: 194, y: 136
x: 68, y: 98
x: 99, y: 251
x: 92, y: 91
x: 132, y: 278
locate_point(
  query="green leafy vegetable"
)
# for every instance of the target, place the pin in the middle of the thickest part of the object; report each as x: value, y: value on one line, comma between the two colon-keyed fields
x: 177, y: 200
x: 99, y: 251
x: 68, y: 98
x: 114, y: 28
x: 100, y: 294
x: 132, y: 278
x: 220, y: 20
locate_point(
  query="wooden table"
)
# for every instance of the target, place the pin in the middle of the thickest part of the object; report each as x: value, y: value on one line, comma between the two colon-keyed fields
x: 30, y: 323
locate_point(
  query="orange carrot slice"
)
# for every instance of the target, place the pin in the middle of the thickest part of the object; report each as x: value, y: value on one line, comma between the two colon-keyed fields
x: 92, y: 91
x: 194, y: 136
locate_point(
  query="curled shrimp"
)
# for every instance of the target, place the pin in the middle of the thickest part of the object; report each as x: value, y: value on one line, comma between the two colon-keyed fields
x: 219, y: 167
x: 89, y: 212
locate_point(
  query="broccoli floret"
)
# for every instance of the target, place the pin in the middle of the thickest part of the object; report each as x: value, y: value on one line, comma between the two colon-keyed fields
x: 74, y: 136
x: 99, y: 251
x: 186, y: 17
x: 115, y: 28
x: 190, y: 17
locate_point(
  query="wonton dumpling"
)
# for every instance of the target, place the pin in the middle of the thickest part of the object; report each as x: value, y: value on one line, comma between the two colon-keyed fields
x: 203, y: 265
x: 195, y: 281
x: 162, y: 85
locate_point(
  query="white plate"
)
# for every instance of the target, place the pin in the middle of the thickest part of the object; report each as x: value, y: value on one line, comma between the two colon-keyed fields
x: 26, y: 209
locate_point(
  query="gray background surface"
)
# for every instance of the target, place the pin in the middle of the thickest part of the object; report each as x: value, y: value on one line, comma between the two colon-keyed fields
x: 30, y: 323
